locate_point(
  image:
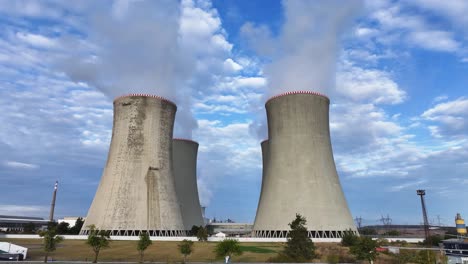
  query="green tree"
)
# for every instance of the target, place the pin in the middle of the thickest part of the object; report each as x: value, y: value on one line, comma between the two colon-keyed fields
x: 365, y: 249
x: 29, y: 228
x: 186, y: 248
x: 63, y: 228
x: 51, y: 240
x: 349, y: 239
x: 97, y: 240
x: 299, y: 246
x: 228, y: 247
x: 75, y: 230
x: 143, y: 243
x: 194, y: 230
x: 202, y: 234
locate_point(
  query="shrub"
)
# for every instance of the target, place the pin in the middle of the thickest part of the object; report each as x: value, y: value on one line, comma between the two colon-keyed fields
x: 349, y: 239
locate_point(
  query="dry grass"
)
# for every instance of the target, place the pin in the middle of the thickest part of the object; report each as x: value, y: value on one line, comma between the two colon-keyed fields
x: 77, y: 250
x: 159, y: 251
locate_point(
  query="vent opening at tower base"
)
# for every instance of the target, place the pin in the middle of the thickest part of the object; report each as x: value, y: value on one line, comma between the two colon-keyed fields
x: 310, y: 234
x: 155, y: 233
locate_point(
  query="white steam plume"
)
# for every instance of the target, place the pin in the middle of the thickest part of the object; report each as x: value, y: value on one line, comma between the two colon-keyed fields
x: 134, y: 47
x: 303, y: 55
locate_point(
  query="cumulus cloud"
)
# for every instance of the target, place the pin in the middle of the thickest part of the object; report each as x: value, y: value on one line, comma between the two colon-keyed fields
x: 397, y: 21
x: 450, y: 118
x: 453, y: 10
x: 367, y: 85
x: 434, y: 40
x: 226, y: 146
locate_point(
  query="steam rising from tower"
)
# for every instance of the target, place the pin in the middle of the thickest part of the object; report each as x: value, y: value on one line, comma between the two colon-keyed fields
x: 299, y: 174
x: 137, y: 188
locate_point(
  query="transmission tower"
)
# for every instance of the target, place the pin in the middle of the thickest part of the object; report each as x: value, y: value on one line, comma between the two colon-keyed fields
x: 422, y: 193
x: 358, y: 221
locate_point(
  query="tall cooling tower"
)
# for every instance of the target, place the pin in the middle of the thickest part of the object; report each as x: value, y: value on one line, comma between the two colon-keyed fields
x: 137, y: 188
x: 185, y: 172
x: 265, y: 152
x: 299, y: 172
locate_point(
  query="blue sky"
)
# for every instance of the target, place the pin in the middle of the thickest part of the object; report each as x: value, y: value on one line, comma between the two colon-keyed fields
x: 396, y: 73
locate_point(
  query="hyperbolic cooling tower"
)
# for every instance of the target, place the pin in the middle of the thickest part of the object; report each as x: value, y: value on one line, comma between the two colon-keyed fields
x: 137, y: 188
x: 299, y: 173
x: 185, y: 172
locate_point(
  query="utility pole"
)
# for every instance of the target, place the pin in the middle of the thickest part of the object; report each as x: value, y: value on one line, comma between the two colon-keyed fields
x: 52, y: 205
x: 422, y: 193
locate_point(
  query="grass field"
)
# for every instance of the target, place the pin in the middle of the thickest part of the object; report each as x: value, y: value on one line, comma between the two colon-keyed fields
x: 77, y: 250
x: 159, y: 251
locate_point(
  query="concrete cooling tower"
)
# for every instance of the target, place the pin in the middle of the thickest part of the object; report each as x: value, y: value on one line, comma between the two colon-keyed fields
x: 265, y: 152
x: 299, y: 173
x: 185, y: 172
x: 137, y: 189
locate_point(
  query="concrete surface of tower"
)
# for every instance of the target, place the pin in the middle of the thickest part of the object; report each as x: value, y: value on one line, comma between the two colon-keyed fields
x: 185, y: 172
x: 299, y: 171
x: 137, y: 188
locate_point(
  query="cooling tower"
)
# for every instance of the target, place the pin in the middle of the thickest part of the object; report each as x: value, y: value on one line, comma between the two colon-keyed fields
x: 299, y: 172
x: 137, y: 188
x: 265, y: 152
x: 185, y: 172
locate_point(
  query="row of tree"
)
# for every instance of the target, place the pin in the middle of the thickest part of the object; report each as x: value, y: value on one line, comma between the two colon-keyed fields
x: 299, y: 247
x: 62, y: 228
x: 100, y: 239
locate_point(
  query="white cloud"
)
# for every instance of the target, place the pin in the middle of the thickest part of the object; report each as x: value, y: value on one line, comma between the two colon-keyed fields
x: 434, y: 40
x: 411, y: 184
x: 36, y: 40
x: 20, y: 165
x: 368, y: 85
x: 454, y: 10
x: 365, y: 32
x: 22, y: 210
x: 450, y: 118
x: 231, y: 66
x: 30, y: 8
x: 225, y: 146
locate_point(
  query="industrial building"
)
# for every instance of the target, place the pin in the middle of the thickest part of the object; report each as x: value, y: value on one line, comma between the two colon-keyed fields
x: 137, y: 190
x: 10, y: 223
x: 230, y: 229
x: 456, y: 251
x: 185, y: 174
x: 299, y: 173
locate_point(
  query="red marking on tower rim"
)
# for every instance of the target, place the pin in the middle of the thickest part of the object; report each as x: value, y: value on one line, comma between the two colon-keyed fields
x: 185, y: 139
x: 265, y: 140
x: 146, y: 95
x: 297, y: 92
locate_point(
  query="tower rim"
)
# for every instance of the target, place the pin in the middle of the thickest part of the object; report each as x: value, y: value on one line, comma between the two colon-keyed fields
x: 145, y: 95
x: 186, y: 140
x: 296, y: 92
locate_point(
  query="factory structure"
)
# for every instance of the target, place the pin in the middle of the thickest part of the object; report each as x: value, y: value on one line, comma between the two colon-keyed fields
x: 299, y: 173
x: 138, y: 191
